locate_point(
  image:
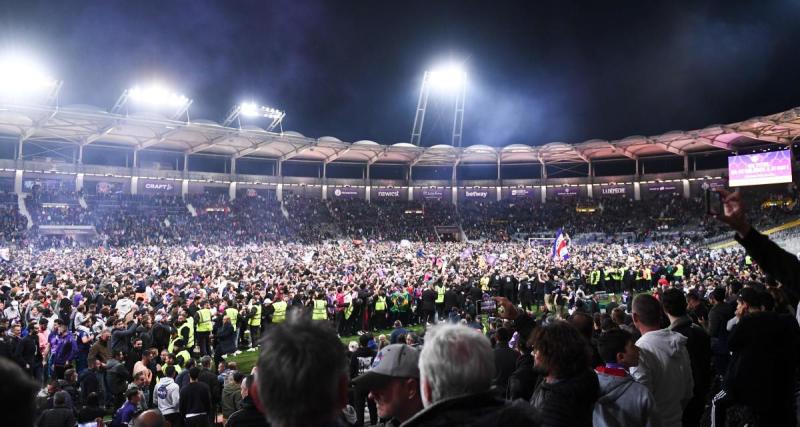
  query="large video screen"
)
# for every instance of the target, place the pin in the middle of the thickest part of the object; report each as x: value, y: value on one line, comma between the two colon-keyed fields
x: 761, y: 168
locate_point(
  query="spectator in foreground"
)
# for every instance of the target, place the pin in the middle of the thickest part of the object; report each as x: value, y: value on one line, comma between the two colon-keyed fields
x: 248, y: 415
x: 125, y: 413
x: 505, y: 361
x: 765, y: 349
x: 719, y: 315
x: 167, y: 397
x: 456, y: 371
x: 195, y: 401
x: 361, y: 362
x: 664, y: 364
x: 91, y: 410
x: 393, y: 383
x: 232, y: 394
x: 302, y: 358
x: 59, y: 415
x: 567, y: 394
x: 623, y: 401
x: 698, y: 344
x: 150, y: 418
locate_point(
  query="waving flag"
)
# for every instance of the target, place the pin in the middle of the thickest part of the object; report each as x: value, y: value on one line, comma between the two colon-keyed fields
x: 561, y: 245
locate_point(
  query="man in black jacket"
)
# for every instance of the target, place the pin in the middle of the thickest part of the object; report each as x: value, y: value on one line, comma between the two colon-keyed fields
x: 88, y: 380
x: 226, y: 337
x: 60, y: 414
x: 505, y: 361
x: 360, y: 362
x: 450, y: 299
x: 765, y: 348
x: 525, y: 293
x: 208, y: 377
x: 195, y: 402
x: 508, y: 288
x: 718, y: 317
x: 121, y: 336
x: 428, y: 304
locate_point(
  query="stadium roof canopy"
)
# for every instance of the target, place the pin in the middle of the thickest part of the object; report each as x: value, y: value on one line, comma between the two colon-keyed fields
x: 85, y: 125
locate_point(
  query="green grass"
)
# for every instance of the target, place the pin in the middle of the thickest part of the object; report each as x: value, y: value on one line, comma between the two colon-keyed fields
x: 247, y: 359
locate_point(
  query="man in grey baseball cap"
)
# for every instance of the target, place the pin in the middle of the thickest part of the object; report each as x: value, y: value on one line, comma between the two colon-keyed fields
x: 393, y: 383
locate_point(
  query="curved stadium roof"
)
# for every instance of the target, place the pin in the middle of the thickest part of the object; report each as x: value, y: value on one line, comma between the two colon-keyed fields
x: 84, y: 125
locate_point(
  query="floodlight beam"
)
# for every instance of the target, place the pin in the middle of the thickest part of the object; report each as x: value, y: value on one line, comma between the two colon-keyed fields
x: 24, y: 79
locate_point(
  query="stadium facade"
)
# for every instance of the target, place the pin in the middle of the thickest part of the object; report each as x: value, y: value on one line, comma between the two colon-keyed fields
x: 81, y: 128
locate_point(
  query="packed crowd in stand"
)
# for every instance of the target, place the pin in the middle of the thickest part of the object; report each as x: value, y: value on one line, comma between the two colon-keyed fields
x: 154, y: 318
x: 256, y: 216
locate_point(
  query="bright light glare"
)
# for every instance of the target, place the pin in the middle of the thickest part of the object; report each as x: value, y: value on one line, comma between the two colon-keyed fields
x: 451, y: 76
x: 20, y: 75
x: 251, y: 109
x: 158, y: 96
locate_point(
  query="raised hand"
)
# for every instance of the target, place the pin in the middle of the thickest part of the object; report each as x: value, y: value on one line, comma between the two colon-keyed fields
x: 733, y: 211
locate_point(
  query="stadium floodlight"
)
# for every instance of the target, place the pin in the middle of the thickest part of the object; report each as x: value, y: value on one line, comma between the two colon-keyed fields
x: 451, y: 77
x: 22, y: 78
x: 252, y: 110
x: 157, y: 97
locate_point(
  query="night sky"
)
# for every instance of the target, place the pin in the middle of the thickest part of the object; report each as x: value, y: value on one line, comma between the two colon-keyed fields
x: 538, y: 71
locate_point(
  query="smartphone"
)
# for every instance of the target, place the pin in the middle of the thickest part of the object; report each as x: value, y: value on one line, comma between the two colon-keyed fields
x: 488, y: 306
x: 713, y: 201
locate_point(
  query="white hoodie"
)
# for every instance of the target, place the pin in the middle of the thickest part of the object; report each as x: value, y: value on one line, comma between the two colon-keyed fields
x: 167, y: 396
x: 665, y: 369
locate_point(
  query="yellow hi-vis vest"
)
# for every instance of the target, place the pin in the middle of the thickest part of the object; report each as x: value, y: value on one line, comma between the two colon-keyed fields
x: 648, y: 274
x: 380, y: 304
x: 320, y: 310
x: 280, y: 312
x: 348, y: 311
x: 678, y: 271
x: 256, y: 320
x: 439, y: 294
x: 183, y: 354
x: 171, y: 346
x: 189, y: 327
x: 748, y: 260
x: 232, y: 314
x: 594, y: 277
x: 204, y: 320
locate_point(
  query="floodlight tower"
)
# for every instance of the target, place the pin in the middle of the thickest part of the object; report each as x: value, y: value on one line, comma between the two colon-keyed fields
x: 450, y: 78
x: 251, y: 109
